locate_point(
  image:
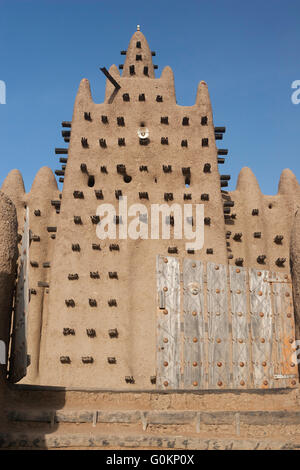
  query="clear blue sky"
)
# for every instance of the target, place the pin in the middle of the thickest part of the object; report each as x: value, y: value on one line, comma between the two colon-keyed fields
x: 247, y: 52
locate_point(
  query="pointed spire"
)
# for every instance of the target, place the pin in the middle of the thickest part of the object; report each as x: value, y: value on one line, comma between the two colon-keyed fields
x: 288, y: 183
x: 109, y: 89
x: 44, y: 182
x: 8, y: 256
x: 167, y: 74
x: 138, y: 61
x: 84, y: 96
x: 167, y: 78
x: 203, y: 99
x: 13, y: 186
x: 247, y: 182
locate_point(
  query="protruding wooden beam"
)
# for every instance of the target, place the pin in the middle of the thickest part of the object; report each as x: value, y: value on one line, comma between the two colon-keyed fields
x: 110, y: 78
x: 225, y: 177
x: 60, y: 151
x: 66, y: 133
x: 222, y: 130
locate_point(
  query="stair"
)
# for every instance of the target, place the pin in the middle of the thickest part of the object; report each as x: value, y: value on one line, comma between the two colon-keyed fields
x: 151, y: 429
x: 39, y: 417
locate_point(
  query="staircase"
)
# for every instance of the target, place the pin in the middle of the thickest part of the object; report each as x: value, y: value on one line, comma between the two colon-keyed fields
x: 115, y: 420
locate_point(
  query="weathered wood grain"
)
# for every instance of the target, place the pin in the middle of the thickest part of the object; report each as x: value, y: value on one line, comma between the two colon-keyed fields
x: 168, y: 323
x: 244, y: 349
x: 218, y: 327
x: 285, y: 365
x: 261, y: 329
x: 194, y: 325
x: 18, y: 358
x: 240, y: 332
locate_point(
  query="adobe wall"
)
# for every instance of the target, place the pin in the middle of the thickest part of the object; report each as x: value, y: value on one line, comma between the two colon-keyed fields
x: 13, y: 187
x: 42, y: 214
x: 61, y: 248
x: 264, y: 222
x: 8, y: 258
x: 135, y: 262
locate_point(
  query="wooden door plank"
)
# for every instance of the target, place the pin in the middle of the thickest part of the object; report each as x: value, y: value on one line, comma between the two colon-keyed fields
x: 240, y: 330
x: 168, y: 323
x: 261, y: 329
x: 218, y: 327
x: 285, y: 371
x: 194, y: 325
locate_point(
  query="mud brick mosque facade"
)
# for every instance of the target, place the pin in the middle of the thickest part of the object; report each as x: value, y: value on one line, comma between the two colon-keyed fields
x: 148, y: 314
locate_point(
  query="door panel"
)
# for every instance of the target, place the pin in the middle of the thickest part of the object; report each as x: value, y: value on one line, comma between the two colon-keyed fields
x: 234, y: 330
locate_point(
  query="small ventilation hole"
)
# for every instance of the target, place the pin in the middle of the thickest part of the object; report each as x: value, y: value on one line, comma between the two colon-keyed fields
x: 91, y: 181
x: 127, y: 179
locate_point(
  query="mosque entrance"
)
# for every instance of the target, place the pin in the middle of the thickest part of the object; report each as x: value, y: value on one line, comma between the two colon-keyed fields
x: 223, y: 327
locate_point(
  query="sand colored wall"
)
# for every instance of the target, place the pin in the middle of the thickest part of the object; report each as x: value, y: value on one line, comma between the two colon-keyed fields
x: 42, y: 214
x: 275, y: 217
x: 135, y: 289
x: 13, y: 187
x: 8, y: 257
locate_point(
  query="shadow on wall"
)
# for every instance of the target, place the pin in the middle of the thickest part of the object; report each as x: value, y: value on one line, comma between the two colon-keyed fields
x: 27, y: 416
x: 16, y: 429
x: 15, y: 432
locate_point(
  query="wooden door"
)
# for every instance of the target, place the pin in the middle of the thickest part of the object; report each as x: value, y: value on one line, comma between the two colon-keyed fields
x: 223, y: 327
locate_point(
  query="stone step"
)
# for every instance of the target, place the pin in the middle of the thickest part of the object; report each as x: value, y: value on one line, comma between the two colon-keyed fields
x: 104, y: 440
x: 146, y: 417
